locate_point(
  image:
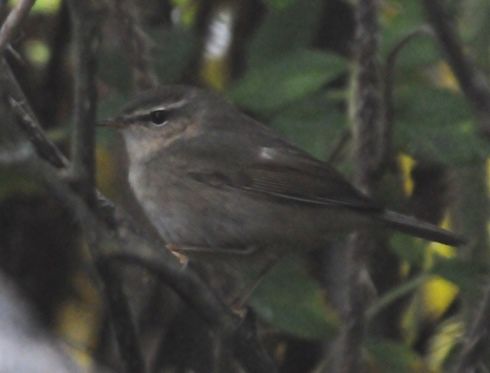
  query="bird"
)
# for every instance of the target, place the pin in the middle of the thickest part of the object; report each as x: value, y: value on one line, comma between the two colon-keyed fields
x: 211, y: 178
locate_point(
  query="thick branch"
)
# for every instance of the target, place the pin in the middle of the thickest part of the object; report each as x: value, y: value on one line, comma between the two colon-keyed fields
x: 367, y: 135
x: 86, y: 19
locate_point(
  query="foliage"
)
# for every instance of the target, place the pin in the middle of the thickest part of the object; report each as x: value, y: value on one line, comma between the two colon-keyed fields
x: 282, y: 75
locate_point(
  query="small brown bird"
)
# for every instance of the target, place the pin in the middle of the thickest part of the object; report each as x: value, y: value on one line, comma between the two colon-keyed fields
x: 210, y: 177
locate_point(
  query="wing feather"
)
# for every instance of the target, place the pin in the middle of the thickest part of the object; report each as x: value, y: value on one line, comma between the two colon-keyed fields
x: 289, y: 175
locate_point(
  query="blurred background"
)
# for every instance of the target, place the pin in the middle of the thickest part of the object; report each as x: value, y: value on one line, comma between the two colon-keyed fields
x: 289, y: 64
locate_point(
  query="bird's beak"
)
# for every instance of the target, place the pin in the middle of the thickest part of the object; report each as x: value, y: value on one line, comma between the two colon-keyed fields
x: 112, y: 122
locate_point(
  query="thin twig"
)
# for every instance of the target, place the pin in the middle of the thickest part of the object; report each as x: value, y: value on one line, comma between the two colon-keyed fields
x: 388, y: 84
x: 13, y: 22
x: 472, y: 80
x: 27, y: 119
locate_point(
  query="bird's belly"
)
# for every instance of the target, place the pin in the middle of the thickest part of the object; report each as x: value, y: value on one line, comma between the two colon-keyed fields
x: 193, y: 214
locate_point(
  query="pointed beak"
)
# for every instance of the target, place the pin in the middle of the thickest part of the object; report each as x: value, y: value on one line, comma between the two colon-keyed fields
x: 112, y: 122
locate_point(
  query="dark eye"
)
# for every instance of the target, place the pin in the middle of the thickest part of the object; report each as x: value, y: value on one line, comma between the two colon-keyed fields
x: 159, y: 116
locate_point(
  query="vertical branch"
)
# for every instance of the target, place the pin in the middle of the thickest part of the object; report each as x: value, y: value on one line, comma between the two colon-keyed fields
x: 86, y: 19
x: 137, y: 45
x: 368, y: 138
x: 367, y: 100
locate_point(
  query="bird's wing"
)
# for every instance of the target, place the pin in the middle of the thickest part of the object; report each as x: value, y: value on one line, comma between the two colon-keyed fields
x: 289, y: 175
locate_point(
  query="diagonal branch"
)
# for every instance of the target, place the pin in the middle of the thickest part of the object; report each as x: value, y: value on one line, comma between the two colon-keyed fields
x: 27, y: 119
x: 13, y: 22
x: 472, y: 81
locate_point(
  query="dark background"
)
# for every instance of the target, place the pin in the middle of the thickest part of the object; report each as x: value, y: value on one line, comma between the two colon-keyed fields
x: 292, y: 65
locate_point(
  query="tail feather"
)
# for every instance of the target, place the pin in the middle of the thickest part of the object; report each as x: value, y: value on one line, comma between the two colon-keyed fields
x: 419, y: 228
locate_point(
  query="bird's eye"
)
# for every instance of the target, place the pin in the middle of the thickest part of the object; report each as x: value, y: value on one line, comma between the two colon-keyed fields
x: 159, y: 117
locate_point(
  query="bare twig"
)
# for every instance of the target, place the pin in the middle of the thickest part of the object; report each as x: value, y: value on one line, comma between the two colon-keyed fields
x: 86, y: 18
x: 367, y: 135
x: 13, y: 21
x: 27, y: 119
x: 472, y: 80
x: 136, y: 45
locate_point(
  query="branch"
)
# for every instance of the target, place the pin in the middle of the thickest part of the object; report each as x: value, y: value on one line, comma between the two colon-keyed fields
x: 100, y: 240
x: 367, y: 135
x: 472, y: 81
x: 13, y: 22
x: 388, y: 84
x: 86, y: 19
x: 133, y: 250
x: 27, y: 119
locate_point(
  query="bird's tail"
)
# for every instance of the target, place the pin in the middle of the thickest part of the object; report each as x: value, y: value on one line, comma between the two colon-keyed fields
x: 419, y: 228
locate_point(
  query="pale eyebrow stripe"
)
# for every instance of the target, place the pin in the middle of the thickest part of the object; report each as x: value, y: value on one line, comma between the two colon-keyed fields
x: 148, y: 110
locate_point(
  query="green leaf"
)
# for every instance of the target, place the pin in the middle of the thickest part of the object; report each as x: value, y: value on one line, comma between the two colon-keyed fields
x: 291, y: 301
x: 284, y: 29
x: 313, y: 123
x: 279, y: 82
x: 421, y: 51
x: 393, y: 357
x: 465, y: 274
x: 411, y: 249
x: 434, y: 124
